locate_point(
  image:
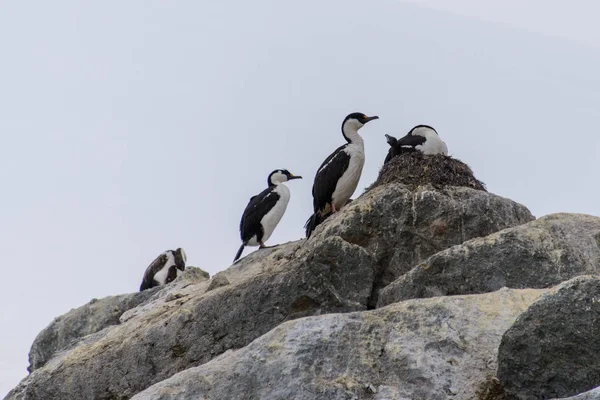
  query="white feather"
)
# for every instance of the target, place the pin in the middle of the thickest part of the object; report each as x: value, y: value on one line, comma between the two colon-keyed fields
x: 348, y: 182
x: 433, y: 144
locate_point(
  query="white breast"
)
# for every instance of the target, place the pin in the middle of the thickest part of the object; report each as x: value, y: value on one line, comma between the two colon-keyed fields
x: 433, y: 144
x: 161, y: 276
x: 349, y: 181
x: 272, y: 218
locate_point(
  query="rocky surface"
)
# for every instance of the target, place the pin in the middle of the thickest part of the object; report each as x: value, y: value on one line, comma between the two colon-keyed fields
x: 552, y: 349
x: 65, y: 330
x: 539, y: 254
x: 431, y: 349
x: 593, y: 394
x: 372, y: 241
x: 400, y: 227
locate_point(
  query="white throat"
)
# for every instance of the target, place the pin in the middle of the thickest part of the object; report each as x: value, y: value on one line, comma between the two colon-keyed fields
x: 350, y: 130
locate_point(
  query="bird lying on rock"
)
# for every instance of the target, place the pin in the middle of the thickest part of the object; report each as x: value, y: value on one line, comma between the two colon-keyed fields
x: 338, y: 176
x: 264, y: 211
x: 421, y: 138
x: 164, y: 269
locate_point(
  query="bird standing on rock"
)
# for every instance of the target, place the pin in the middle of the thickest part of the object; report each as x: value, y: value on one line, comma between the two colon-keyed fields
x: 421, y: 138
x: 264, y: 211
x: 164, y: 269
x: 338, y: 176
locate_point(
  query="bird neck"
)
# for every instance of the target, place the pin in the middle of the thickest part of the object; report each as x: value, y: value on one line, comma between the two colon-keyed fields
x: 351, y: 135
x: 275, y: 184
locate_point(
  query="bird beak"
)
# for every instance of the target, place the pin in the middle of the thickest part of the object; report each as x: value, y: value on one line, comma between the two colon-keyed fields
x: 294, y: 177
x: 371, y: 118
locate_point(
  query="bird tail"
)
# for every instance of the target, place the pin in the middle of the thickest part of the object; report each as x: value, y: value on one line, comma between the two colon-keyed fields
x: 312, y: 223
x: 145, y: 285
x: 239, y: 253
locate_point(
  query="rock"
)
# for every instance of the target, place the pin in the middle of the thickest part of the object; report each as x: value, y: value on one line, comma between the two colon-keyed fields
x: 218, y: 281
x: 65, y: 330
x: 552, y: 349
x: 591, y: 395
x: 401, y: 228
x: 186, y: 326
x: 430, y: 349
x: 370, y: 242
x: 539, y: 254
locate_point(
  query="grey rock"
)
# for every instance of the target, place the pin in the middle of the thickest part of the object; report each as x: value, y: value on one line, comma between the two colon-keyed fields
x: 552, y: 349
x: 370, y: 242
x: 401, y: 228
x: 218, y: 281
x: 431, y: 349
x: 593, y: 394
x: 539, y: 254
x: 67, y: 329
x: 187, y: 326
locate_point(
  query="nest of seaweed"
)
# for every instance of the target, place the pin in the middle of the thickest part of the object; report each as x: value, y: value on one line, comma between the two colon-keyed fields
x: 416, y: 169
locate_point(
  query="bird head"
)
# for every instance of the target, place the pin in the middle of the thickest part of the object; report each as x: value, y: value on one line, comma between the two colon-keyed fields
x: 353, y: 122
x: 281, y: 175
x: 391, y: 140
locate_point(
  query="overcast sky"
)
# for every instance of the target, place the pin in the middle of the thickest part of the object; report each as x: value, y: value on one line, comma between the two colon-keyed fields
x: 129, y: 128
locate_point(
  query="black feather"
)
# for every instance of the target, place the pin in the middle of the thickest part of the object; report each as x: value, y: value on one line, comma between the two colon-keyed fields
x: 239, y: 253
x: 327, y: 177
x: 406, y: 144
x: 256, y: 209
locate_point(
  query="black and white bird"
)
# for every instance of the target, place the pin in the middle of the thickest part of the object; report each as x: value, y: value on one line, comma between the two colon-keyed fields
x: 164, y: 269
x: 338, y: 176
x: 421, y: 138
x: 264, y: 211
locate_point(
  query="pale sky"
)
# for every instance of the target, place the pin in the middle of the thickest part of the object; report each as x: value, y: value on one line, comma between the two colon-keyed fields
x: 134, y: 127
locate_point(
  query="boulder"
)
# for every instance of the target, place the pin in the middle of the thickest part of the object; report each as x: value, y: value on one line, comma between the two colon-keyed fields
x: 539, y: 254
x: 552, y: 349
x: 401, y: 227
x: 431, y: 349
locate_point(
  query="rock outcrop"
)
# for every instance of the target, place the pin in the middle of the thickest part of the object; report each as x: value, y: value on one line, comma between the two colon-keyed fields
x: 300, y: 320
x: 552, y: 349
x: 433, y: 349
x: 400, y: 227
x: 65, y: 330
x: 540, y: 254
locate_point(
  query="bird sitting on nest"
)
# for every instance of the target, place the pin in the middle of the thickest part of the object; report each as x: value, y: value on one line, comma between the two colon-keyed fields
x: 421, y: 138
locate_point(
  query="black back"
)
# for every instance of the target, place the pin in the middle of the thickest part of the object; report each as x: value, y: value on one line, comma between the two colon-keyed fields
x: 256, y: 209
x: 327, y: 178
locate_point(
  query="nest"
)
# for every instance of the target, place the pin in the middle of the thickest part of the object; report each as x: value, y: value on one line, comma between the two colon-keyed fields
x: 415, y: 169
